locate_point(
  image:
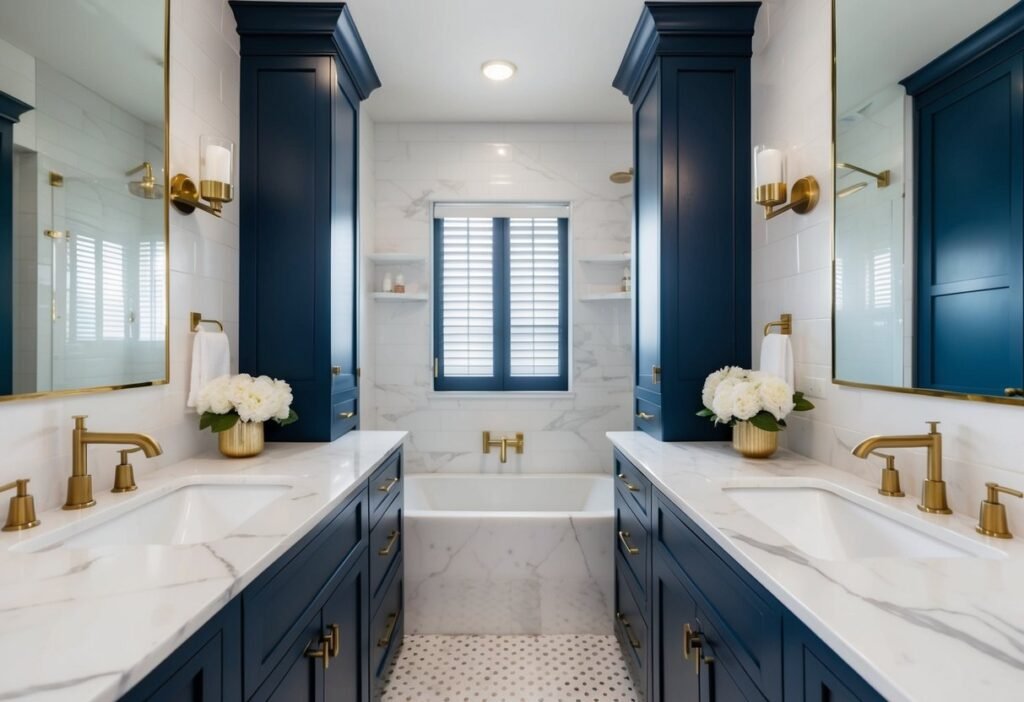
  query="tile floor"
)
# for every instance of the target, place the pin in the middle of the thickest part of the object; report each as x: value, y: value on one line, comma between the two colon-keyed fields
x: 561, y: 668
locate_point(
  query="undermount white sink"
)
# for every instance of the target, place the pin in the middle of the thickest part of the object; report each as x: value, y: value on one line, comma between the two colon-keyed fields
x: 191, y: 513
x: 830, y: 523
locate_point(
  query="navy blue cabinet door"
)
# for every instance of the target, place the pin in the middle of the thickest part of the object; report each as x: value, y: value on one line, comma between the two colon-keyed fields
x: 647, y: 273
x: 814, y: 673
x: 676, y: 678
x: 11, y: 110
x: 970, y: 239
x: 346, y: 609
x: 299, y: 677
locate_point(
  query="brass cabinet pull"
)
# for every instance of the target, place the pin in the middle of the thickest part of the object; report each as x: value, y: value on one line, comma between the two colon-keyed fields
x: 692, y: 641
x: 389, y: 630
x: 387, y: 485
x: 392, y: 539
x: 346, y: 415
x: 334, y: 642
x: 633, y: 641
x: 655, y: 375
x: 629, y: 486
x: 644, y: 416
x: 335, y: 370
x: 322, y: 652
x: 624, y: 538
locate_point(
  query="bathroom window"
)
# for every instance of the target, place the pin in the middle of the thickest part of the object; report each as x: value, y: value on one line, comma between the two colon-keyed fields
x: 501, y: 296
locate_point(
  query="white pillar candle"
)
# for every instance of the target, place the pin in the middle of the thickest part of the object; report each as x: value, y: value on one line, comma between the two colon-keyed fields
x: 218, y: 164
x: 768, y: 167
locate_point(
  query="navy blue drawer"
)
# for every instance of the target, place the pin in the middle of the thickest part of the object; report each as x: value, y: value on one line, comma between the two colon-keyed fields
x: 275, y: 607
x: 647, y: 417
x: 631, y: 631
x: 633, y: 485
x: 344, y: 414
x: 747, y: 619
x: 385, y: 547
x: 633, y: 544
x: 386, y: 631
x: 385, y: 482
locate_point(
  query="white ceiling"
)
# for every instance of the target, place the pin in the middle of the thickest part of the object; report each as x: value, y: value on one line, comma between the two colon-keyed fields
x: 881, y: 42
x: 428, y: 55
x: 113, y: 47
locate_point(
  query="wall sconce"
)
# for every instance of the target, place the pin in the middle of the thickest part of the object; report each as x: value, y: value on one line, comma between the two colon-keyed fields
x: 770, y: 185
x: 216, y: 166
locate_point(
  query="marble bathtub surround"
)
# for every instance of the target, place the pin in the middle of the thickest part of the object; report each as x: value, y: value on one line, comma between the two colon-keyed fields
x: 915, y: 629
x: 123, y: 609
x: 415, y: 165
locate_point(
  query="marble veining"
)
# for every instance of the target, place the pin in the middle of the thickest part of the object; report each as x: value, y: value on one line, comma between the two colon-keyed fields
x: 916, y: 629
x: 87, y: 624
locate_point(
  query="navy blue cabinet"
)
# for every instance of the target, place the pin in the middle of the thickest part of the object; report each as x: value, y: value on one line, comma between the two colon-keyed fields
x: 694, y: 626
x: 687, y: 73
x: 314, y: 601
x: 304, y: 71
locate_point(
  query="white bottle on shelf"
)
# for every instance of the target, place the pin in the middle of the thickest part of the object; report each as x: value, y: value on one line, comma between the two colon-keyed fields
x: 387, y: 286
x: 627, y: 280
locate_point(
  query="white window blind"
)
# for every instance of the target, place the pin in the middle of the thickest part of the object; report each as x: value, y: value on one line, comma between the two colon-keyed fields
x: 114, y: 311
x: 534, y: 290
x: 151, y: 290
x: 467, y: 317
x: 84, y: 276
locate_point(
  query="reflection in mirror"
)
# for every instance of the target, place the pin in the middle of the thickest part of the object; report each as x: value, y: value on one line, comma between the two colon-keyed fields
x: 87, y: 240
x: 929, y: 219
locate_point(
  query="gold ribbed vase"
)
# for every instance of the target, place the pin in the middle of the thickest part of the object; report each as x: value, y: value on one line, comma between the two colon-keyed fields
x: 752, y: 442
x: 243, y: 440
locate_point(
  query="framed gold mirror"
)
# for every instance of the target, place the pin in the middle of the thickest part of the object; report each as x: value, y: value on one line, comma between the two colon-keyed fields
x: 928, y: 216
x: 84, y: 255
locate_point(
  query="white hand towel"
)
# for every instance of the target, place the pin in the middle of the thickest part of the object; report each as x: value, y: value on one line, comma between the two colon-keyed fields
x: 211, y: 358
x: 777, y: 357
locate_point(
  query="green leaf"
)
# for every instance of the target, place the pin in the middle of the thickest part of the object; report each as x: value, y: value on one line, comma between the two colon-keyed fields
x: 292, y: 417
x: 765, y: 420
x: 705, y: 413
x: 223, y: 422
x: 800, y: 404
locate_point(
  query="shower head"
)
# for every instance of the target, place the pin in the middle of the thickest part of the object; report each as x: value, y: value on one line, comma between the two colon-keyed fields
x: 850, y: 190
x: 621, y: 177
x: 147, y: 188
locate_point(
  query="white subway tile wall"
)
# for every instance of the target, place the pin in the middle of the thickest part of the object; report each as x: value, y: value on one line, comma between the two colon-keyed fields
x: 418, y: 164
x: 36, y: 434
x: 791, y: 273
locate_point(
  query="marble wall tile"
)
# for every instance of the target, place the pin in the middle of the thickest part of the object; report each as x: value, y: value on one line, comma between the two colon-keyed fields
x: 415, y: 165
x: 791, y: 273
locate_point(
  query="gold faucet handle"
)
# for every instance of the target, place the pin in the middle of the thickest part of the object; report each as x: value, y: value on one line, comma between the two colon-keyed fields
x: 995, y: 488
x: 890, y: 460
x: 890, y: 477
x: 22, y: 513
x: 933, y: 427
x: 124, y: 474
x: 992, y: 517
x: 124, y: 453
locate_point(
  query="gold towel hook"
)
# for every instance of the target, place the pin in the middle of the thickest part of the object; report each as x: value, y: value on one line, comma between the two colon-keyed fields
x: 785, y: 325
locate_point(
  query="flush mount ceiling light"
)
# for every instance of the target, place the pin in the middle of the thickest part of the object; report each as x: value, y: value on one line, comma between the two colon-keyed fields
x: 498, y: 70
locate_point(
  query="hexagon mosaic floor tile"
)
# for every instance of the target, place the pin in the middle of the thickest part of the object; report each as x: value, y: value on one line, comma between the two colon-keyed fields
x: 560, y: 668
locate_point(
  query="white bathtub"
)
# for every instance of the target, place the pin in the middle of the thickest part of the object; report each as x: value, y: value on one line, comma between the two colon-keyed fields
x: 524, y: 554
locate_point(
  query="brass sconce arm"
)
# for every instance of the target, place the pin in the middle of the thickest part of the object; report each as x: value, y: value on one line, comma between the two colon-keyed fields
x: 185, y: 197
x: 881, y: 179
x: 805, y: 196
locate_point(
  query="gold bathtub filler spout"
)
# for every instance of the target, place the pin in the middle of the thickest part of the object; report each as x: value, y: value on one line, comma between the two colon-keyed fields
x: 504, y: 443
x: 933, y: 490
x: 80, y: 482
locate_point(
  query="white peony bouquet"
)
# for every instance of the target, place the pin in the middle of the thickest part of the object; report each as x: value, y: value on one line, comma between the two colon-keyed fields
x: 733, y: 394
x: 229, y: 399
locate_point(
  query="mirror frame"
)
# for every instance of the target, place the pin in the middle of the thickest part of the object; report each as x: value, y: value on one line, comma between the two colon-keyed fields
x: 992, y: 399
x: 167, y: 247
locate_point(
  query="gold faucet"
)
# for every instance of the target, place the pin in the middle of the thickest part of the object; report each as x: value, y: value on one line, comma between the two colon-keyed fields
x: 504, y: 444
x: 80, y: 482
x: 933, y: 490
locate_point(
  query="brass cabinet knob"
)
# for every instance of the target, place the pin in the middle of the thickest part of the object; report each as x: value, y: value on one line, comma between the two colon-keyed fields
x: 335, y: 370
x: 22, y: 513
x: 692, y: 644
x: 992, y: 517
x: 334, y: 641
x: 890, y: 477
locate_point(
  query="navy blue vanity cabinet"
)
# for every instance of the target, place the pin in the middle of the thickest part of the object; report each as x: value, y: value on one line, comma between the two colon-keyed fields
x: 695, y: 626
x: 304, y: 71
x: 687, y: 73
x: 206, y: 668
x: 386, y: 570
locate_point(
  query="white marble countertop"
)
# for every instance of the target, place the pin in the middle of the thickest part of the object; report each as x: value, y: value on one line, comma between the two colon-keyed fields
x: 86, y: 625
x: 924, y: 630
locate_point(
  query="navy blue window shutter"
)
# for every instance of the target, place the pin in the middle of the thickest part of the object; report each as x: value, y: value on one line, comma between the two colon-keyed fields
x: 527, y: 348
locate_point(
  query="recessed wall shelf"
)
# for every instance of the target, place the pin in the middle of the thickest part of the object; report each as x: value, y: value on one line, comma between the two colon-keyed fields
x: 607, y: 258
x: 400, y: 297
x: 607, y: 296
x: 396, y: 258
